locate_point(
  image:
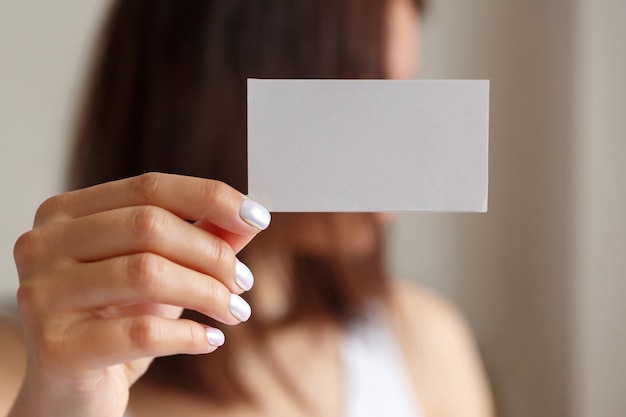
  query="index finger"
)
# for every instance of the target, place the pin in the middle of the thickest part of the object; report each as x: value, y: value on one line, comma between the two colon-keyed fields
x: 189, y: 198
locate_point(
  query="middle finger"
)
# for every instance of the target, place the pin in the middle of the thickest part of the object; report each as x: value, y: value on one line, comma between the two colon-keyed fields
x: 151, y: 229
x: 144, y: 278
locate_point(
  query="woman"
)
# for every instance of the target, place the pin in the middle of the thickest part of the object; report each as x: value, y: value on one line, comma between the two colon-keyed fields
x: 107, y: 270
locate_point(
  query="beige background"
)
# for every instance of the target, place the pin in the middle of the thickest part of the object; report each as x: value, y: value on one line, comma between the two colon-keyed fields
x: 541, y: 277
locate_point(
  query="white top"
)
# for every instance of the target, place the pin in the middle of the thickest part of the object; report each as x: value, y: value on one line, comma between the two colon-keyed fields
x: 377, y: 381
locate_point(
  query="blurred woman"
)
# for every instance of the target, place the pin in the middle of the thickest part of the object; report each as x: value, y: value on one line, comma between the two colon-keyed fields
x: 130, y: 267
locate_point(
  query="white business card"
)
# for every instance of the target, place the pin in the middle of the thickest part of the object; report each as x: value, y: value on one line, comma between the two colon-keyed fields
x: 368, y: 145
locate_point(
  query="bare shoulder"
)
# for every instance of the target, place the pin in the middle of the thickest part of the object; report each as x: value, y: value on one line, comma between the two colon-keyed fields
x: 12, y: 363
x: 441, y: 353
x: 410, y: 298
x: 425, y: 316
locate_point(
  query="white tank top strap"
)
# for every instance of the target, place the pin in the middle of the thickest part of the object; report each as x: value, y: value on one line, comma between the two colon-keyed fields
x: 377, y: 381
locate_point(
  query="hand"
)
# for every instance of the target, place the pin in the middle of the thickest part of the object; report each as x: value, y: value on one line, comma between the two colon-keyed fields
x: 104, y: 275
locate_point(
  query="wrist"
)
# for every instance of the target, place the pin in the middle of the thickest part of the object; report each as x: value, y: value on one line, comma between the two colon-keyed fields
x: 50, y: 397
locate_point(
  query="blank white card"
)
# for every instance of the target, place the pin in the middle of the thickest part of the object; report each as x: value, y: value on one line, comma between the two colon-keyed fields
x: 368, y: 145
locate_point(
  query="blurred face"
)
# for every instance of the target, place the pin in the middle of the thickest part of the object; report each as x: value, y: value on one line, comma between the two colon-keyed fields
x: 357, y: 234
x: 402, y: 40
x: 347, y: 235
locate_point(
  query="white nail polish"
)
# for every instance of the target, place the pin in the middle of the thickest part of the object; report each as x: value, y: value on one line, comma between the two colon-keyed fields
x: 255, y: 214
x: 239, y: 308
x: 215, y: 337
x: 243, y: 276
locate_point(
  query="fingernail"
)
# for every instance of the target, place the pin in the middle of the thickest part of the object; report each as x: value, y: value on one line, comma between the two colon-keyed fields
x: 255, y: 214
x: 215, y: 337
x: 243, y: 276
x: 239, y: 308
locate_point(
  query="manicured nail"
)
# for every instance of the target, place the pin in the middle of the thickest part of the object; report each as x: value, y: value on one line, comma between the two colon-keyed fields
x: 239, y: 308
x: 255, y: 214
x: 243, y: 276
x: 215, y: 337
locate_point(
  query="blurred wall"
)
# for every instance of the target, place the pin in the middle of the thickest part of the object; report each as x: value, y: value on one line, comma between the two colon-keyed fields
x: 509, y: 270
x: 540, y: 277
x: 43, y: 48
x: 599, y: 318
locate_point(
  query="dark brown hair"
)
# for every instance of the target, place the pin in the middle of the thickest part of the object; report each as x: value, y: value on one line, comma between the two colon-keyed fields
x: 168, y: 93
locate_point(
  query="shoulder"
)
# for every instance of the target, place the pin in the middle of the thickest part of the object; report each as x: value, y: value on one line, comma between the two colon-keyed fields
x: 412, y: 298
x: 440, y: 351
x: 429, y: 325
x: 12, y: 363
x: 424, y: 315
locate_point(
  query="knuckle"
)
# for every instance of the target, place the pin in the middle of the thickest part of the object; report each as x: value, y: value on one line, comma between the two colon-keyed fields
x: 196, y: 336
x: 143, y: 333
x: 27, y: 298
x: 211, y: 290
x: 27, y: 248
x: 145, y: 187
x: 48, y: 208
x: 48, y: 347
x: 144, y: 271
x: 45, y: 337
x: 222, y: 254
x: 214, y: 191
x: 148, y: 221
x: 217, y: 293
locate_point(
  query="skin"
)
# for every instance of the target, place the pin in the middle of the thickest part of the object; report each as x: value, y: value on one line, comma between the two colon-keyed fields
x: 105, y: 273
x: 89, y: 337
